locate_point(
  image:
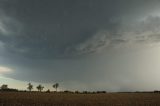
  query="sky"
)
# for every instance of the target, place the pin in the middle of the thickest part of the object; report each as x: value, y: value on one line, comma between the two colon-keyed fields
x: 111, y: 45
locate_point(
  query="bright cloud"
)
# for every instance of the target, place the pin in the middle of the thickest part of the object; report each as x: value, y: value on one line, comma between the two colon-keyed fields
x: 5, y: 69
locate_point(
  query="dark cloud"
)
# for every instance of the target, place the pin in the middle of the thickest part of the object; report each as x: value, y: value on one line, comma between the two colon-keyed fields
x: 48, y: 39
x: 53, y: 28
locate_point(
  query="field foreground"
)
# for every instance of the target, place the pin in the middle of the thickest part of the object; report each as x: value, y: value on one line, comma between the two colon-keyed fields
x: 57, y: 99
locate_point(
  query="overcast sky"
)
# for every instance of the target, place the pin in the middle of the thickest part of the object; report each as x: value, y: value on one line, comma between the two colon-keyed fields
x: 111, y: 45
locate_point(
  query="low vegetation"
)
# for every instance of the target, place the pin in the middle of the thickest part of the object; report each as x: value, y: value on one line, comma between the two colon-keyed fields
x: 72, y: 99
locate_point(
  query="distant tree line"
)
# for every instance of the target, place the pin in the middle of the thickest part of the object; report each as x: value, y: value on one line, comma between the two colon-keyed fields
x: 4, y: 87
x: 40, y: 88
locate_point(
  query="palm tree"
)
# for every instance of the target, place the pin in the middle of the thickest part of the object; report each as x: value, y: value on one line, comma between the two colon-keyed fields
x: 56, y: 85
x: 30, y: 87
x: 40, y: 87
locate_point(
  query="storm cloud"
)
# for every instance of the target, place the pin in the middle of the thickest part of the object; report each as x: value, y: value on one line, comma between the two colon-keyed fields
x: 65, y: 40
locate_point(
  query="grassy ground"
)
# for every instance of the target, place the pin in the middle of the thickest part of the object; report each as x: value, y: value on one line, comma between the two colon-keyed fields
x: 57, y: 99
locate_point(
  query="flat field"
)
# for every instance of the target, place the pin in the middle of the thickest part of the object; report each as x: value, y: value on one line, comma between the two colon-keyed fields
x: 62, y: 99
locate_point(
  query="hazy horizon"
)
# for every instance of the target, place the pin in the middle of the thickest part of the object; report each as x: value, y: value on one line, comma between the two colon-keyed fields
x: 111, y: 45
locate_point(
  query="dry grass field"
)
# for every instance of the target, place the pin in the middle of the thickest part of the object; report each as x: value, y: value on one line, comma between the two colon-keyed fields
x: 57, y: 99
